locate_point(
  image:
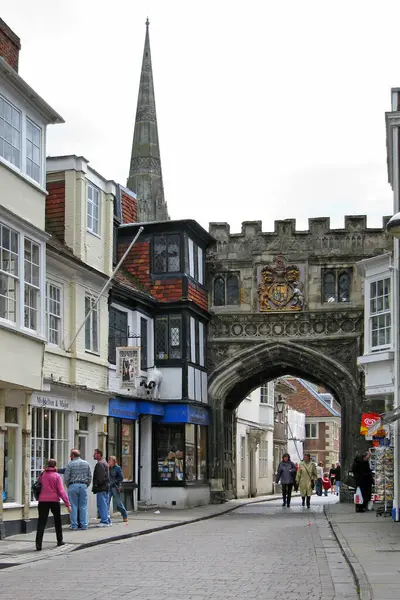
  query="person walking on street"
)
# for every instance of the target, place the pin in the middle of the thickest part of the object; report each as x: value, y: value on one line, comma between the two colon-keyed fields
x: 49, y: 499
x: 116, y: 479
x: 77, y: 478
x: 320, y: 476
x: 364, y: 479
x: 332, y: 477
x: 338, y: 478
x: 101, y: 487
x: 286, y: 474
x: 305, y: 479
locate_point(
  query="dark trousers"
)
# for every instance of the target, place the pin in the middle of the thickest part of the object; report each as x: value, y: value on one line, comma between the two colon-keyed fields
x: 44, y: 508
x: 287, y: 492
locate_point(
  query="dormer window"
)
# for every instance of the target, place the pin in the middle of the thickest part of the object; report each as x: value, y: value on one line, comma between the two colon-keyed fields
x: 93, y: 210
x: 167, y: 255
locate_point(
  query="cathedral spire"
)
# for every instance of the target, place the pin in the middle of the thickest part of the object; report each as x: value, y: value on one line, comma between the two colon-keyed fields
x: 145, y: 175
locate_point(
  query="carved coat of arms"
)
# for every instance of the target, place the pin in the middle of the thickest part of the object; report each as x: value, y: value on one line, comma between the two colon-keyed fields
x: 280, y: 287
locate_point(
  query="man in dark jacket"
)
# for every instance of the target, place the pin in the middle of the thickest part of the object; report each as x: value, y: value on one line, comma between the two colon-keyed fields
x: 286, y: 474
x: 364, y: 479
x: 101, y: 485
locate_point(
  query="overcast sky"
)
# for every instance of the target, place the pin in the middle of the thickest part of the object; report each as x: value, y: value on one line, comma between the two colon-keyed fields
x: 266, y: 109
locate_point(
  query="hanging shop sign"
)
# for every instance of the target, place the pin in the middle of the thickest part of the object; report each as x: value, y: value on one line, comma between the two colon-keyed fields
x: 367, y: 421
x: 128, y: 362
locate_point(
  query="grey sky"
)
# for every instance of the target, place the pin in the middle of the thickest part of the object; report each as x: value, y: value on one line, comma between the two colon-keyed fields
x: 265, y: 109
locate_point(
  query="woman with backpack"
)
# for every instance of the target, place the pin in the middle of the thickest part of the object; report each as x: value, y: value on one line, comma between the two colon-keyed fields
x: 286, y: 474
x: 51, y: 492
x: 116, y: 479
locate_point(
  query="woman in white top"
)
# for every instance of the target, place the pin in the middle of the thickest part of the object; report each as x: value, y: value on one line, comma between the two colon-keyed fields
x: 320, y: 473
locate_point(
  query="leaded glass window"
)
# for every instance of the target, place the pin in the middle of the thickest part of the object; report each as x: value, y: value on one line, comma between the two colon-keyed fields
x: 168, y: 341
x: 219, y: 291
x: 344, y: 287
x: 117, y: 332
x: 161, y: 326
x: 175, y: 336
x: 232, y: 289
x: 167, y: 253
x: 143, y: 343
x: 329, y: 287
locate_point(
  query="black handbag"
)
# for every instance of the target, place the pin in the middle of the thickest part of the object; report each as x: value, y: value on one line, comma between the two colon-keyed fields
x: 351, y: 481
x: 37, y: 487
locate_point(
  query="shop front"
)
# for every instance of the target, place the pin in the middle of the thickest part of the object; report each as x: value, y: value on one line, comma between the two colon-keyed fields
x: 179, y: 458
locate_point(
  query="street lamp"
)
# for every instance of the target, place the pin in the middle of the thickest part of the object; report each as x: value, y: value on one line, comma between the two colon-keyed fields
x: 279, y: 405
x: 393, y: 226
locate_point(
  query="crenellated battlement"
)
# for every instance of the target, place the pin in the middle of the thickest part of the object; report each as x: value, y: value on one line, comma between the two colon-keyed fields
x: 355, y: 239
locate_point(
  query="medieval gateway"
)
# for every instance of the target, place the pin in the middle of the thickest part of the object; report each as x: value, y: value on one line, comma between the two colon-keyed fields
x: 285, y: 302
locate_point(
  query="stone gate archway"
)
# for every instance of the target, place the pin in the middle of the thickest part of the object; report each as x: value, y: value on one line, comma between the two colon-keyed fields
x: 287, y: 302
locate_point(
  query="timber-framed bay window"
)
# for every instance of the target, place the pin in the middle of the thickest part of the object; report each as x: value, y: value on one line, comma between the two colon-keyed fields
x: 380, y: 317
x: 168, y: 337
x: 49, y: 439
x: 179, y: 453
x: 21, y: 279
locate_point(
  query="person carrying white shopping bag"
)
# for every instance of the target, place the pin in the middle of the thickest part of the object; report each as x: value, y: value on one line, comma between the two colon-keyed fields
x: 364, y: 481
x: 358, y: 497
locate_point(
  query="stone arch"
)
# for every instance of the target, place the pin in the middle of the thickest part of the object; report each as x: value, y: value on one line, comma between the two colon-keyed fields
x: 236, y: 376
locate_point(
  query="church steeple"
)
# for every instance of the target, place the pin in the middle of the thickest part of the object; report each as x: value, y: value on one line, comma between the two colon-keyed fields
x: 145, y: 175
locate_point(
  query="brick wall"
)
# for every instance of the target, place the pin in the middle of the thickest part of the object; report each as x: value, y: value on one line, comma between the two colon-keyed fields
x: 129, y: 208
x: 55, y: 209
x: 10, y: 45
x: 198, y: 295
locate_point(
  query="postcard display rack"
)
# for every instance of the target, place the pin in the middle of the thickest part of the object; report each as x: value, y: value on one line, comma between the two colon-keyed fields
x: 383, y: 464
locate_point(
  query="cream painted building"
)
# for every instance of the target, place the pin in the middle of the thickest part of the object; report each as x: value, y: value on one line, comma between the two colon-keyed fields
x: 24, y: 117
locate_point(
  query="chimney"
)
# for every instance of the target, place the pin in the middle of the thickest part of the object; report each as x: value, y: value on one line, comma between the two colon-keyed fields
x: 10, y: 45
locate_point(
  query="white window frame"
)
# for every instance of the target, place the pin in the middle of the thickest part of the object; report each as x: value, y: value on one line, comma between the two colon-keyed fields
x: 27, y: 142
x: 59, y: 317
x: 243, y: 457
x: 22, y: 284
x: 94, y: 343
x: 311, y: 425
x: 263, y: 458
x: 90, y: 205
x: 13, y: 137
x: 267, y: 393
x: 385, y: 313
x: 22, y: 167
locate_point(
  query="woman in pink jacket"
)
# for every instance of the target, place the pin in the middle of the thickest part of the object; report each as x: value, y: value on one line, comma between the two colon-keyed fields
x: 51, y: 493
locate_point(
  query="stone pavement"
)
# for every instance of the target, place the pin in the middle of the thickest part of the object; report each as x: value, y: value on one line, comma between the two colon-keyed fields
x: 20, y: 549
x: 372, y: 546
x: 259, y: 551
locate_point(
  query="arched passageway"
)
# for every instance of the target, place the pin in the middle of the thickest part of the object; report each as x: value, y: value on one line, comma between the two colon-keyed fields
x: 236, y: 376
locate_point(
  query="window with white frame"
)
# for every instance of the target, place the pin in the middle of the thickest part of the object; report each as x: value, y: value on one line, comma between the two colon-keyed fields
x: 10, y: 471
x: 91, y: 325
x: 49, y: 439
x: 20, y: 278
x: 10, y: 133
x: 263, y: 458
x: 93, y: 210
x: 380, y: 318
x: 33, y: 150
x: 267, y: 393
x: 32, y: 284
x: 53, y: 313
x: 311, y: 431
x: 243, y: 457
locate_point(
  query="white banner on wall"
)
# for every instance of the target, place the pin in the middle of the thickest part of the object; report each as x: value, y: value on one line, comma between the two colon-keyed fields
x: 128, y: 365
x: 48, y: 401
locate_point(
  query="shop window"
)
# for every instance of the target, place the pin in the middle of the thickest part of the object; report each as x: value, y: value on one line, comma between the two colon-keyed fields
x: 380, y: 317
x: 180, y: 453
x: 168, y: 330
x: 226, y: 290
x: 127, y: 437
x: 49, y: 439
x: 143, y: 343
x: 117, y: 332
x: 112, y: 431
x: 336, y: 284
x: 167, y: 254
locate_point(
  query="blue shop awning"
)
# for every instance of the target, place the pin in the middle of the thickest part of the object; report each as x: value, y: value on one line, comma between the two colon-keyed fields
x: 151, y: 408
x: 185, y: 413
x: 123, y: 409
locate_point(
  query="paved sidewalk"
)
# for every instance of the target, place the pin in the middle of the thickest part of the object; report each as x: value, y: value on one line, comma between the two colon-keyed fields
x: 20, y: 549
x: 371, y: 544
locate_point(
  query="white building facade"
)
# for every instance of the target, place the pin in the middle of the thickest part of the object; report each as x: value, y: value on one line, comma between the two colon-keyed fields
x: 24, y: 117
x: 254, y: 431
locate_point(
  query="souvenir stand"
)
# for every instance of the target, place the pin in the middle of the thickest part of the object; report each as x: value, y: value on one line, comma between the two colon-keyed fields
x: 382, y: 463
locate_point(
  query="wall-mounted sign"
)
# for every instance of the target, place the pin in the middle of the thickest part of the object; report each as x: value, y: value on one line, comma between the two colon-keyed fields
x: 47, y: 401
x: 185, y: 413
x: 128, y: 365
x: 122, y: 409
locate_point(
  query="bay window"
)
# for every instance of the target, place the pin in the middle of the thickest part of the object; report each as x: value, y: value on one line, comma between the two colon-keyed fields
x: 380, y: 317
x: 20, y: 279
x: 167, y: 253
x: 179, y: 453
x: 33, y: 150
x: 168, y: 337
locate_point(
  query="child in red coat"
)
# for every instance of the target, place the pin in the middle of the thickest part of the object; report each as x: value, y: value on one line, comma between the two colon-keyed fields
x: 326, y: 484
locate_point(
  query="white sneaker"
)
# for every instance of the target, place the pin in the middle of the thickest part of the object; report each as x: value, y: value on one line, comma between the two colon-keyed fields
x: 102, y: 525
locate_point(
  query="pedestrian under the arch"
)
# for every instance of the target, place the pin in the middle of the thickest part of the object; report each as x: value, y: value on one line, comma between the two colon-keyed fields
x: 286, y: 475
x: 306, y: 478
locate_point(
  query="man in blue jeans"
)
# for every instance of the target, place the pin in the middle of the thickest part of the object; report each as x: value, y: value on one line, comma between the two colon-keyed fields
x: 77, y: 478
x: 101, y: 487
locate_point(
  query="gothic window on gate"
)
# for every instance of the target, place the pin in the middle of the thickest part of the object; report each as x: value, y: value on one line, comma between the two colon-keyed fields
x: 226, y: 290
x: 167, y: 254
x: 336, y: 284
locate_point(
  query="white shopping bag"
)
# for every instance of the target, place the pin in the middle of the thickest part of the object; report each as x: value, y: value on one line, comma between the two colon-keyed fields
x: 358, y: 498
x: 370, y: 505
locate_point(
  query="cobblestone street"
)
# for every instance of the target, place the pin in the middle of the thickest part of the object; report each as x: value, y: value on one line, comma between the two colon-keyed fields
x: 260, y: 551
